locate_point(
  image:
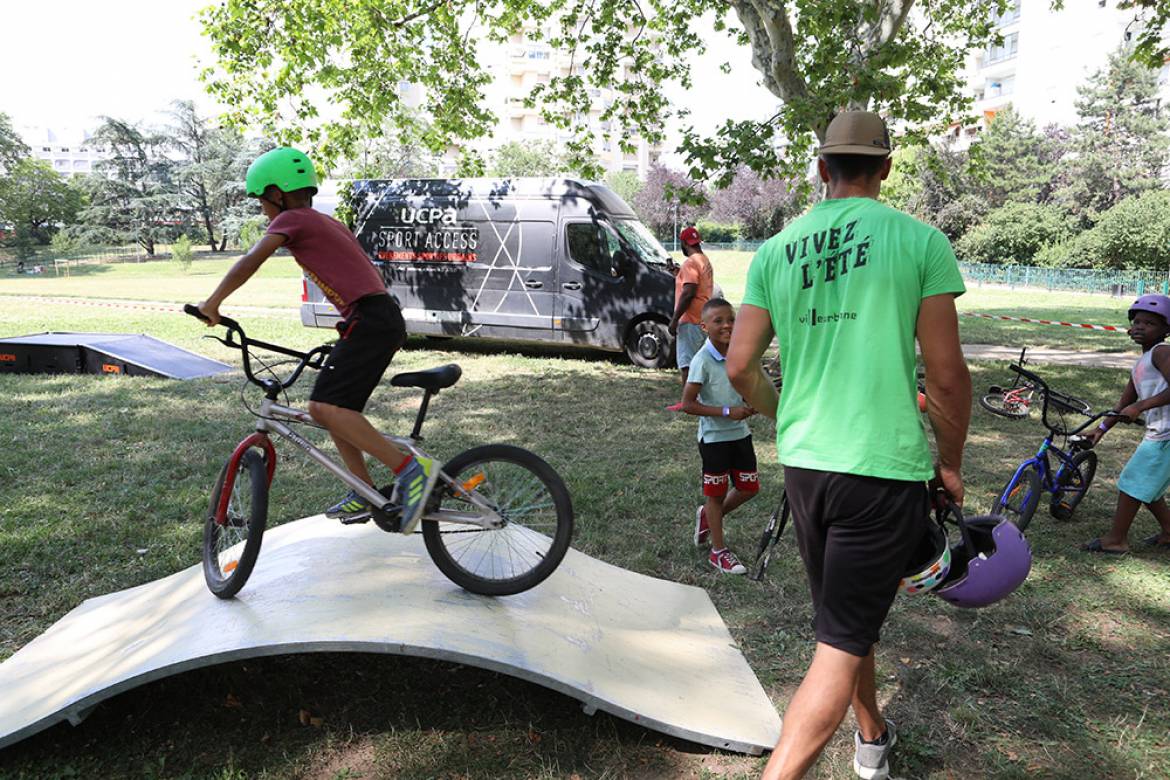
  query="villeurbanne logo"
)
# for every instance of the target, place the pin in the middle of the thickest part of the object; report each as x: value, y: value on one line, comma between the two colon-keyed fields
x: 812, y: 318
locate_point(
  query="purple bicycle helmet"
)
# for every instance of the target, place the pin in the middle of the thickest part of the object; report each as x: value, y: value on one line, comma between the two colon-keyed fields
x: 1153, y: 303
x: 992, y: 560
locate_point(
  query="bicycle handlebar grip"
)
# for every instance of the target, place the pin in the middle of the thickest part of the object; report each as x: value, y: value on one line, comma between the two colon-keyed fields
x: 193, y: 310
x: 227, y: 322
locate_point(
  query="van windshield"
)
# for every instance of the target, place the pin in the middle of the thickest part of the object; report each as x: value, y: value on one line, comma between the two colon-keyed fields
x: 643, y: 241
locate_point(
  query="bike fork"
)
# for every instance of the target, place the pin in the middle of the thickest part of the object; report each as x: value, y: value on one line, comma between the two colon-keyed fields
x: 260, y: 440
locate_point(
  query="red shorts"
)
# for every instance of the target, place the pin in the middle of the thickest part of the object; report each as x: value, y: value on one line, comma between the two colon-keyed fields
x: 729, y: 462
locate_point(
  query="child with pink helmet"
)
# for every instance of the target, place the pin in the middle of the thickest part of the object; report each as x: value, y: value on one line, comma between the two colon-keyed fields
x: 1146, y: 477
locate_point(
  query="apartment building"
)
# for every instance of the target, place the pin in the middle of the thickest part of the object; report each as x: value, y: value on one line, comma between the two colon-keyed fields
x: 66, y: 149
x: 521, y: 64
x: 1044, y: 56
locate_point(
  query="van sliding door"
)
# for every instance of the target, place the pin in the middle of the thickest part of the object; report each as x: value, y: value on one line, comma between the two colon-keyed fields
x: 589, y: 297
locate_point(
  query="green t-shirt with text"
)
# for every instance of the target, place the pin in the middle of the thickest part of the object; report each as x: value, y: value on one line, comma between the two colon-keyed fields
x: 842, y: 285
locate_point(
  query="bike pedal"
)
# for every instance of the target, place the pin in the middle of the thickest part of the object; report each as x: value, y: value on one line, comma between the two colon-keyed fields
x: 355, y: 519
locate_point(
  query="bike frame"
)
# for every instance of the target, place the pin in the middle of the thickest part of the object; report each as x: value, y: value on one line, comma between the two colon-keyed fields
x: 270, y: 422
x: 1019, y: 395
x: 1040, y: 461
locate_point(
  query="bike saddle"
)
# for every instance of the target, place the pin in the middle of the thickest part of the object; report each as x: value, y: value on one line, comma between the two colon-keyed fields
x: 432, y: 379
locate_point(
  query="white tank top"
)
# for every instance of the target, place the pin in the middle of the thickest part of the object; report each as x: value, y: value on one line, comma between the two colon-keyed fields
x: 1149, y: 382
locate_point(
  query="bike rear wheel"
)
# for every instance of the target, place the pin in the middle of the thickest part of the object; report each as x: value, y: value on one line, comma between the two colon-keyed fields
x: 1020, y: 497
x: 230, y: 550
x: 535, y: 505
x: 997, y: 403
x: 1072, y: 483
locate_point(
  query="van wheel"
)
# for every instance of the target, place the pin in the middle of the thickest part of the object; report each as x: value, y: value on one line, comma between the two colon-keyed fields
x: 650, y: 345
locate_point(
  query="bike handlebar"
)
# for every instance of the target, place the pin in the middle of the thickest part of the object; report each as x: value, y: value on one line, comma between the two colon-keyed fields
x: 1046, y: 392
x: 314, y: 358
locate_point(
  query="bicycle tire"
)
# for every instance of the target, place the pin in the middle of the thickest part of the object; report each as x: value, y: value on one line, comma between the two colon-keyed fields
x: 1020, y: 497
x: 535, y: 504
x: 995, y: 403
x: 230, y: 551
x: 1077, y: 475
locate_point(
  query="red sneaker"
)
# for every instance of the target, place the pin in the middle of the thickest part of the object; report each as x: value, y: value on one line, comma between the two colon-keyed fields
x: 726, y: 562
x: 702, y: 531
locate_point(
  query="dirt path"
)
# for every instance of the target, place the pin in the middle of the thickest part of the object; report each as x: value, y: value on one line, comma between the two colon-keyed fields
x: 1067, y: 357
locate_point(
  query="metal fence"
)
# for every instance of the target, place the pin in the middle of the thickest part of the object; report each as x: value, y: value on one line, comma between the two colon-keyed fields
x: 1093, y: 280
x: 738, y: 246
x: 45, y: 260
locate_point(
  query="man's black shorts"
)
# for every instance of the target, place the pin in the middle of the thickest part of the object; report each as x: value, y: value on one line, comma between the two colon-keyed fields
x: 856, y: 537
x: 369, y: 339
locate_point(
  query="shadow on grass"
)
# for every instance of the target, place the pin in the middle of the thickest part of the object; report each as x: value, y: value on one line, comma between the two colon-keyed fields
x: 422, y: 718
x: 1065, y: 679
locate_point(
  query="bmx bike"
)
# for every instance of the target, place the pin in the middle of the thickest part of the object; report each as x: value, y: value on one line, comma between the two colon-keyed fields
x: 1077, y: 463
x: 498, y: 522
x: 1015, y: 400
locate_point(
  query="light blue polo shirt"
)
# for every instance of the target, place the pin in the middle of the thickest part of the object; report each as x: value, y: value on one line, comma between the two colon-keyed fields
x: 709, y: 369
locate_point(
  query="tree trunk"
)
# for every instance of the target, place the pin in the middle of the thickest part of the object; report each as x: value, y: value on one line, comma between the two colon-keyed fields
x: 210, y: 233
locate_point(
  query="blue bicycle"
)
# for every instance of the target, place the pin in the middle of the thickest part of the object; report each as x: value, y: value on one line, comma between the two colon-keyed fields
x: 1077, y: 462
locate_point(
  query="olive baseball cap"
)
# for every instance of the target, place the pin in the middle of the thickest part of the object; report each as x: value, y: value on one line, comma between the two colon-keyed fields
x: 857, y: 132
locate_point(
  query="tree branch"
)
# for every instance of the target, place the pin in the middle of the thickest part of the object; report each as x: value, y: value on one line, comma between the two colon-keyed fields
x: 773, y: 49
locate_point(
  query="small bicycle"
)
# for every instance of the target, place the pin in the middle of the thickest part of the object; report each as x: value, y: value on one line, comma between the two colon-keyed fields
x: 498, y: 522
x: 1077, y: 462
x: 1015, y: 401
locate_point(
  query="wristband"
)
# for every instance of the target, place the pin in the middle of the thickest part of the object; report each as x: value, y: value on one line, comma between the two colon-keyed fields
x: 1102, y: 427
x: 727, y: 411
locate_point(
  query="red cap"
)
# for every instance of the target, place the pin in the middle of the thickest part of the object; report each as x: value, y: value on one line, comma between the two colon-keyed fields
x: 690, y: 235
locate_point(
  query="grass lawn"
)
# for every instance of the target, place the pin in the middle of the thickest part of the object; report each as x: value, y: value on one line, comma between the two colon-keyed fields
x: 731, y: 272
x: 278, y: 285
x: 1067, y: 678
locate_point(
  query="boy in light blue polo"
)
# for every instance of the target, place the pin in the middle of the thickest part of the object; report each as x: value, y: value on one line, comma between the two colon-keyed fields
x: 725, y: 441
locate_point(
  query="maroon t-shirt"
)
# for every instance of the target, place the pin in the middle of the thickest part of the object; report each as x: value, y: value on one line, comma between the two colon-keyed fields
x: 330, y: 255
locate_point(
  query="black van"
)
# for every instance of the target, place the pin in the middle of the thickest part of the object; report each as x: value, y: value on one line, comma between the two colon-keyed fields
x: 550, y: 260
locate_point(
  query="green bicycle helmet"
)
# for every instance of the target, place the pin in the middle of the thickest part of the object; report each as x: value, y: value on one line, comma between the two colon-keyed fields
x: 289, y: 169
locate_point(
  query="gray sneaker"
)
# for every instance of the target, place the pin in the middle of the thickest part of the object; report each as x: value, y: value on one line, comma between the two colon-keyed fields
x: 872, y: 762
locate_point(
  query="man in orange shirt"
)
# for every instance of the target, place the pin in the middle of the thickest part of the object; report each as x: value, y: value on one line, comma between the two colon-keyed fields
x: 693, y: 286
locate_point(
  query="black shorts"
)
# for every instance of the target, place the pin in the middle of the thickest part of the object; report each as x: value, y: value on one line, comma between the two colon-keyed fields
x: 725, y: 462
x: 369, y: 339
x: 856, y: 537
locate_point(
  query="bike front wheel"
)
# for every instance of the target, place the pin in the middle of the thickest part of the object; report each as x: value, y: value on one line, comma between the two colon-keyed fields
x: 998, y: 403
x: 528, y: 495
x: 230, y: 550
x: 1020, y: 497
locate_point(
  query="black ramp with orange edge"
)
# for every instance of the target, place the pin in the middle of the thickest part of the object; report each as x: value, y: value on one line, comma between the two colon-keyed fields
x: 132, y: 354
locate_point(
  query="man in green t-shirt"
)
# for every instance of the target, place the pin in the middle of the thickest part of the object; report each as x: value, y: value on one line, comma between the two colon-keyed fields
x: 846, y: 289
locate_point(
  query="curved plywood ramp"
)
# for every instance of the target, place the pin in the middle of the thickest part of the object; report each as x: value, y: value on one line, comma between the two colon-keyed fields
x: 647, y: 650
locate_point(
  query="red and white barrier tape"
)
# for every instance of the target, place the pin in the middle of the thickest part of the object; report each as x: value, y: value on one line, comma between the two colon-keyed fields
x: 1045, y: 322
x: 172, y: 308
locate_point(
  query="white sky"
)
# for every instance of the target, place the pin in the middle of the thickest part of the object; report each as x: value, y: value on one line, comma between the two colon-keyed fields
x: 66, y: 63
